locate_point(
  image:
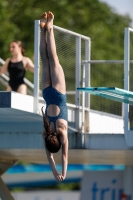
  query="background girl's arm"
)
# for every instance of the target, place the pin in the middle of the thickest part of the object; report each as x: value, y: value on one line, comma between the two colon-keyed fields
x: 29, y: 65
x: 4, y: 68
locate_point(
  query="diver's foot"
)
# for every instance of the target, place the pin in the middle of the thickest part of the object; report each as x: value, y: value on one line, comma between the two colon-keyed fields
x: 43, y: 20
x: 50, y: 18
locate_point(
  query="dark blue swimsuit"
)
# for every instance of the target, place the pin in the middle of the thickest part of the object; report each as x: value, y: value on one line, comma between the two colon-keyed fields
x: 53, y: 96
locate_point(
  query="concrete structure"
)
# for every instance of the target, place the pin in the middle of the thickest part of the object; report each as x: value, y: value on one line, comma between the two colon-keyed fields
x: 21, y: 140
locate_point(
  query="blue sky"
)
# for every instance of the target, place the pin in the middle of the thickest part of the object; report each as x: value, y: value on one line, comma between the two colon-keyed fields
x: 121, y: 6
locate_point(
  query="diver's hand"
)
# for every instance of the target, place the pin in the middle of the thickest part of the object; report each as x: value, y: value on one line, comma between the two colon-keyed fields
x: 58, y: 177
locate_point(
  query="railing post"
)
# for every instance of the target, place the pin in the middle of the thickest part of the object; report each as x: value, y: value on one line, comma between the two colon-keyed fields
x: 83, y: 100
x: 87, y: 83
x: 36, y: 63
x: 126, y: 75
x: 83, y: 105
x: 77, y: 84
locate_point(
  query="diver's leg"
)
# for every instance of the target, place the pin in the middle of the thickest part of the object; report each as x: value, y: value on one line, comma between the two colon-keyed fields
x: 56, y: 71
x: 46, y: 80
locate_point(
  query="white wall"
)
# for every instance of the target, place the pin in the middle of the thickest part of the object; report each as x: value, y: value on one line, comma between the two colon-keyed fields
x: 101, y: 122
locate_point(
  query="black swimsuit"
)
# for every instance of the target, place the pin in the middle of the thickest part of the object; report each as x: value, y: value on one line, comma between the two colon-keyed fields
x: 16, y: 74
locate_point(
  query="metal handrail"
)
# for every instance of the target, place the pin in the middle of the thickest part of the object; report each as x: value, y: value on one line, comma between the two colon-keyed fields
x: 104, y: 61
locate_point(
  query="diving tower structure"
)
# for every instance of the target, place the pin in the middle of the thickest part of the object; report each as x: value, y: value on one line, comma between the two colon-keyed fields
x: 125, y: 95
x: 21, y: 126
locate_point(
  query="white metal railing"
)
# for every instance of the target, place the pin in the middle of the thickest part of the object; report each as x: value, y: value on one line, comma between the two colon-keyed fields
x: 86, y: 96
x: 36, y: 67
x: 104, y: 61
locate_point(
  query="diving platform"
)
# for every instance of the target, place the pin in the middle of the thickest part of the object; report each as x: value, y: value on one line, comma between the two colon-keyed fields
x: 16, y: 114
x: 119, y: 95
x: 112, y: 93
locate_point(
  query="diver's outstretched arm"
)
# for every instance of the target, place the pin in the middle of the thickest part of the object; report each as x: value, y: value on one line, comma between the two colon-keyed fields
x: 51, y: 161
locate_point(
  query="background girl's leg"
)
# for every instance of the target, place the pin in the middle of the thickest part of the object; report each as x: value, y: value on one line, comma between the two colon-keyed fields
x: 46, y: 80
x: 8, y: 89
x: 56, y: 71
x: 22, y: 89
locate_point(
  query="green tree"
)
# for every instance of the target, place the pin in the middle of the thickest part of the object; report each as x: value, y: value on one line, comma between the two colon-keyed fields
x: 89, y: 17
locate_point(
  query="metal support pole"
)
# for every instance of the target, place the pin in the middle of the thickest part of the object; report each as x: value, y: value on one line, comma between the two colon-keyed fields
x: 83, y: 100
x: 36, y: 63
x: 83, y: 106
x: 126, y: 75
x: 87, y: 83
x: 4, y: 192
x: 77, y: 96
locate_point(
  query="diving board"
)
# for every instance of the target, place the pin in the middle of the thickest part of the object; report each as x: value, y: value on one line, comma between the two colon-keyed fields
x: 112, y: 93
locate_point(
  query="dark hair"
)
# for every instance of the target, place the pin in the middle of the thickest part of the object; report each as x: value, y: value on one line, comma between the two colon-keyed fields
x: 52, y: 140
x: 20, y: 45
